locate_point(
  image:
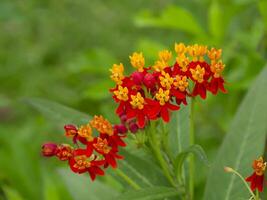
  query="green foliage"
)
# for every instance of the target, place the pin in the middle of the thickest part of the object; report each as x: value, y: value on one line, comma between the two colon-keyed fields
x: 244, y: 142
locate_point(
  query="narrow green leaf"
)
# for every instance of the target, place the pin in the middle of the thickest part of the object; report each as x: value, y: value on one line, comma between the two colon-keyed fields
x: 150, y: 194
x: 262, y: 4
x: 244, y: 142
x: 197, y: 150
x: 216, y: 20
x: 142, y: 171
x: 172, y: 17
x: 81, y: 187
x: 58, y: 112
x: 11, y: 193
x: 179, y: 128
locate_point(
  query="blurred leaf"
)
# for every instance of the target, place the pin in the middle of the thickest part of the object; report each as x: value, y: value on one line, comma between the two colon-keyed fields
x: 50, y: 190
x: 82, y: 188
x: 179, y: 128
x: 262, y: 4
x: 142, y: 170
x: 216, y: 20
x: 197, y: 150
x: 172, y: 17
x: 153, y: 193
x: 58, y: 112
x: 98, y: 90
x: 11, y: 194
x: 244, y: 142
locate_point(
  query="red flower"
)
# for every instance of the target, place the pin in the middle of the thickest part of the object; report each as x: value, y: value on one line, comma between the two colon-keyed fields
x: 161, y: 107
x: 81, y: 162
x: 49, y: 149
x: 257, y: 178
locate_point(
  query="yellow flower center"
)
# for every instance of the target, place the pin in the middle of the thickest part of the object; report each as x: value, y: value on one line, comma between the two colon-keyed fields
x: 102, y: 145
x: 198, y: 73
x: 137, y: 101
x: 217, y: 68
x: 121, y: 93
x: 181, y: 83
x: 117, y: 73
x: 165, y: 55
x: 197, y: 51
x: 102, y: 125
x: 165, y: 80
x: 214, y: 54
x: 163, y: 96
x: 81, y: 162
x: 259, y: 166
x: 182, y: 61
x: 138, y: 61
x: 160, y: 65
x: 86, y: 132
x: 180, y: 48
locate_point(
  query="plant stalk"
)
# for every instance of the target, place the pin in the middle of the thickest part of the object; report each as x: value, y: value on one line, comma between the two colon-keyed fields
x: 127, y: 179
x: 192, y: 160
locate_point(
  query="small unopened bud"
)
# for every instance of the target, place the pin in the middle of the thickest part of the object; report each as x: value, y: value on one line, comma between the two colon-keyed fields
x: 149, y: 81
x: 123, y: 118
x: 49, y: 149
x: 121, y: 128
x: 133, y: 127
x: 70, y: 130
x: 137, y: 77
x: 228, y: 169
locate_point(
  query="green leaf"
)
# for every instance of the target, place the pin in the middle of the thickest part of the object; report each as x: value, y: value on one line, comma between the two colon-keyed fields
x: 216, y: 20
x: 244, y: 142
x: 11, y: 193
x: 172, y: 17
x: 81, y: 187
x: 197, y: 150
x: 58, y: 112
x: 262, y: 7
x: 179, y: 128
x: 150, y: 194
x: 142, y: 170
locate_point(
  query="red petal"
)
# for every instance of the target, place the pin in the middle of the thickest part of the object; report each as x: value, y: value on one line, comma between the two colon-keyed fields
x: 165, y: 114
x: 111, y: 160
x: 173, y: 107
x: 141, y: 120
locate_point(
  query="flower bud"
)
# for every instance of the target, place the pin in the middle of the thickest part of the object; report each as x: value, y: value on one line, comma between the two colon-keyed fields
x: 70, y: 130
x: 133, y: 127
x: 137, y: 77
x: 121, y: 128
x: 228, y: 169
x: 49, y: 149
x: 149, y: 80
x: 123, y: 118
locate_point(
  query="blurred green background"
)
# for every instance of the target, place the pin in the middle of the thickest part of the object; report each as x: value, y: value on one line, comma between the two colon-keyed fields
x: 62, y: 50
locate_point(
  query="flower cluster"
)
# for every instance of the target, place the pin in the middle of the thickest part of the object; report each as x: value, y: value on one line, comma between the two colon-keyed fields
x: 152, y: 92
x: 257, y: 178
x: 100, y: 141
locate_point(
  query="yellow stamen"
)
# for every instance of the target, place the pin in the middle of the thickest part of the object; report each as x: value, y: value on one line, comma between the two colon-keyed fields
x: 214, y: 54
x: 165, y: 80
x: 137, y: 101
x: 138, y: 61
x: 102, y: 145
x: 182, y: 61
x: 102, y: 125
x: 117, y: 73
x: 165, y: 55
x: 163, y: 96
x: 180, y: 48
x: 121, y: 93
x: 160, y: 65
x: 81, y: 162
x: 198, y: 73
x: 181, y: 83
x: 197, y: 51
x: 86, y: 132
x: 217, y: 68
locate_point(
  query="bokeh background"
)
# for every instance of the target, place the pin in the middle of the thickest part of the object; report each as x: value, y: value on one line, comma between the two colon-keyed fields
x: 62, y: 50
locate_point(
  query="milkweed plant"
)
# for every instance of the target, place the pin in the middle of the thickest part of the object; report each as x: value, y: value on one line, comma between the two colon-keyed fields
x: 145, y: 102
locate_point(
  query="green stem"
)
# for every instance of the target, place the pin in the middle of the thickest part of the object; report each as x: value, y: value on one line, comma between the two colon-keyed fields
x: 127, y: 179
x: 244, y: 181
x: 155, y: 145
x: 257, y: 195
x: 191, y: 161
